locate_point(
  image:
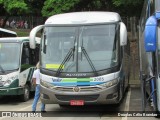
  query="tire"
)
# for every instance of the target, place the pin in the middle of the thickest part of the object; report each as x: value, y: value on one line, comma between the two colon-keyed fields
x: 26, y: 94
x: 1, y: 96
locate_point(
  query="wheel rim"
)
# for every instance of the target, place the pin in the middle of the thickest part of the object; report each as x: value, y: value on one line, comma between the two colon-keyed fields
x: 26, y: 93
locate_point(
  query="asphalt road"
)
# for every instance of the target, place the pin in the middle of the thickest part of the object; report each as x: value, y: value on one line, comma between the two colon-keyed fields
x: 131, y: 102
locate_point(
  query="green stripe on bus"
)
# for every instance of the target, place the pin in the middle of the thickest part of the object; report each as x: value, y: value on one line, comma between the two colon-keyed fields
x: 76, y: 80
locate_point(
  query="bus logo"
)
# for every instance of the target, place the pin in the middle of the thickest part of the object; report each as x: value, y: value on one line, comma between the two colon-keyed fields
x: 76, y: 89
x: 76, y: 75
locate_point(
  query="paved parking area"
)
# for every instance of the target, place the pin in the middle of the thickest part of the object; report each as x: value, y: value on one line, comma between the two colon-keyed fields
x: 131, y: 102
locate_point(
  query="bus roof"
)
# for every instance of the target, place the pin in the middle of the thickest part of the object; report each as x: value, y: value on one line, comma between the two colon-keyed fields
x: 83, y: 18
x: 18, y: 39
x: 8, y: 31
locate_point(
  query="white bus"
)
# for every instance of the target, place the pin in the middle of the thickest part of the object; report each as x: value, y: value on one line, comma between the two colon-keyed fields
x: 17, y: 63
x: 7, y: 33
x: 84, y: 58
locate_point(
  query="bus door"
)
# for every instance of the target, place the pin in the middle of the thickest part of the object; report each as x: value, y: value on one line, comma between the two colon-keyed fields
x: 29, y: 59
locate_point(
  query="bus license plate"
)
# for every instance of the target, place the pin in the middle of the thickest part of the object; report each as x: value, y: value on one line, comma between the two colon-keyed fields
x: 76, y: 102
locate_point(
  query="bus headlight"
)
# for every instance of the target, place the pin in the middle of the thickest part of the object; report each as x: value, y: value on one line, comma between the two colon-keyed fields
x: 47, y: 84
x: 7, y: 82
x: 109, y: 83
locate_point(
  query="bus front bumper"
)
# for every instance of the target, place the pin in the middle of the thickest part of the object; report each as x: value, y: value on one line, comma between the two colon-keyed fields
x: 10, y: 91
x: 104, y: 96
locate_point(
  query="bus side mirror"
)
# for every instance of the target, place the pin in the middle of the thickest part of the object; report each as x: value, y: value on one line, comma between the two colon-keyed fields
x: 157, y: 14
x: 150, y: 34
x: 123, y: 34
x: 32, y: 36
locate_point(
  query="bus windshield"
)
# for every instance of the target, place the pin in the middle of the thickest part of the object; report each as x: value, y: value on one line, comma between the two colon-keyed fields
x: 9, y: 56
x: 80, y: 49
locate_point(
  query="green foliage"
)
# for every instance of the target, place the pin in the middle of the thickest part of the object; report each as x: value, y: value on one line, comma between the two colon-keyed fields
x: 48, y: 8
x: 1, y: 1
x: 127, y: 2
x: 52, y: 7
x: 14, y: 6
x: 129, y: 7
x: 35, y: 6
x: 21, y: 32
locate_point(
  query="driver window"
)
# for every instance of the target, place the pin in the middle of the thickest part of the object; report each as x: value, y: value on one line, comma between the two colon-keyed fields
x: 25, y: 53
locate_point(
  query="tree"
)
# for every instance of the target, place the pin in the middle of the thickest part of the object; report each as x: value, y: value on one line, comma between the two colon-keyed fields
x: 129, y: 7
x: 94, y: 5
x: 52, y: 7
x: 127, y: 2
x: 35, y: 7
x: 48, y: 8
x: 13, y: 7
x: 124, y: 7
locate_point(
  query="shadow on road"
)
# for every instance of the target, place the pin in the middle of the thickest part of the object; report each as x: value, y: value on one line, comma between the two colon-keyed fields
x: 84, y: 111
x: 12, y: 100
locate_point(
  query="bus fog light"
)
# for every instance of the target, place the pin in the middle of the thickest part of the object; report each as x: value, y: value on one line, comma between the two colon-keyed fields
x: 112, y: 96
x: 115, y: 95
x: 44, y: 96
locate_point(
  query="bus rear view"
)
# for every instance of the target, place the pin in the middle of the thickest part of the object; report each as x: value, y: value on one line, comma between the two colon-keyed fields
x: 83, y: 58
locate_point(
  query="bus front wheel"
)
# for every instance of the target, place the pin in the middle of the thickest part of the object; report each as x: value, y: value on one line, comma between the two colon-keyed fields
x: 26, y: 94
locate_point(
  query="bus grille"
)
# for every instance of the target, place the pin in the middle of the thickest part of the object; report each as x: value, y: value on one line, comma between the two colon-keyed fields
x: 82, y: 89
x: 77, y: 97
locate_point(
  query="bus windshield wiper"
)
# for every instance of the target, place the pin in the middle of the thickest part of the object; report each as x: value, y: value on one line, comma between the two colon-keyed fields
x: 67, y: 58
x: 2, y: 69
x: 89, y: 61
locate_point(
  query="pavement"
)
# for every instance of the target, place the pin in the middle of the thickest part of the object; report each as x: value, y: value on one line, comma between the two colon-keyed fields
x: 129, y: 109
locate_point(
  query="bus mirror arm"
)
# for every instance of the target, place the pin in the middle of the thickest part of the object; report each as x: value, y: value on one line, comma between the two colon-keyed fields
x: 149, y: 79
x: 32, y: 36
x: 144, y: 76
